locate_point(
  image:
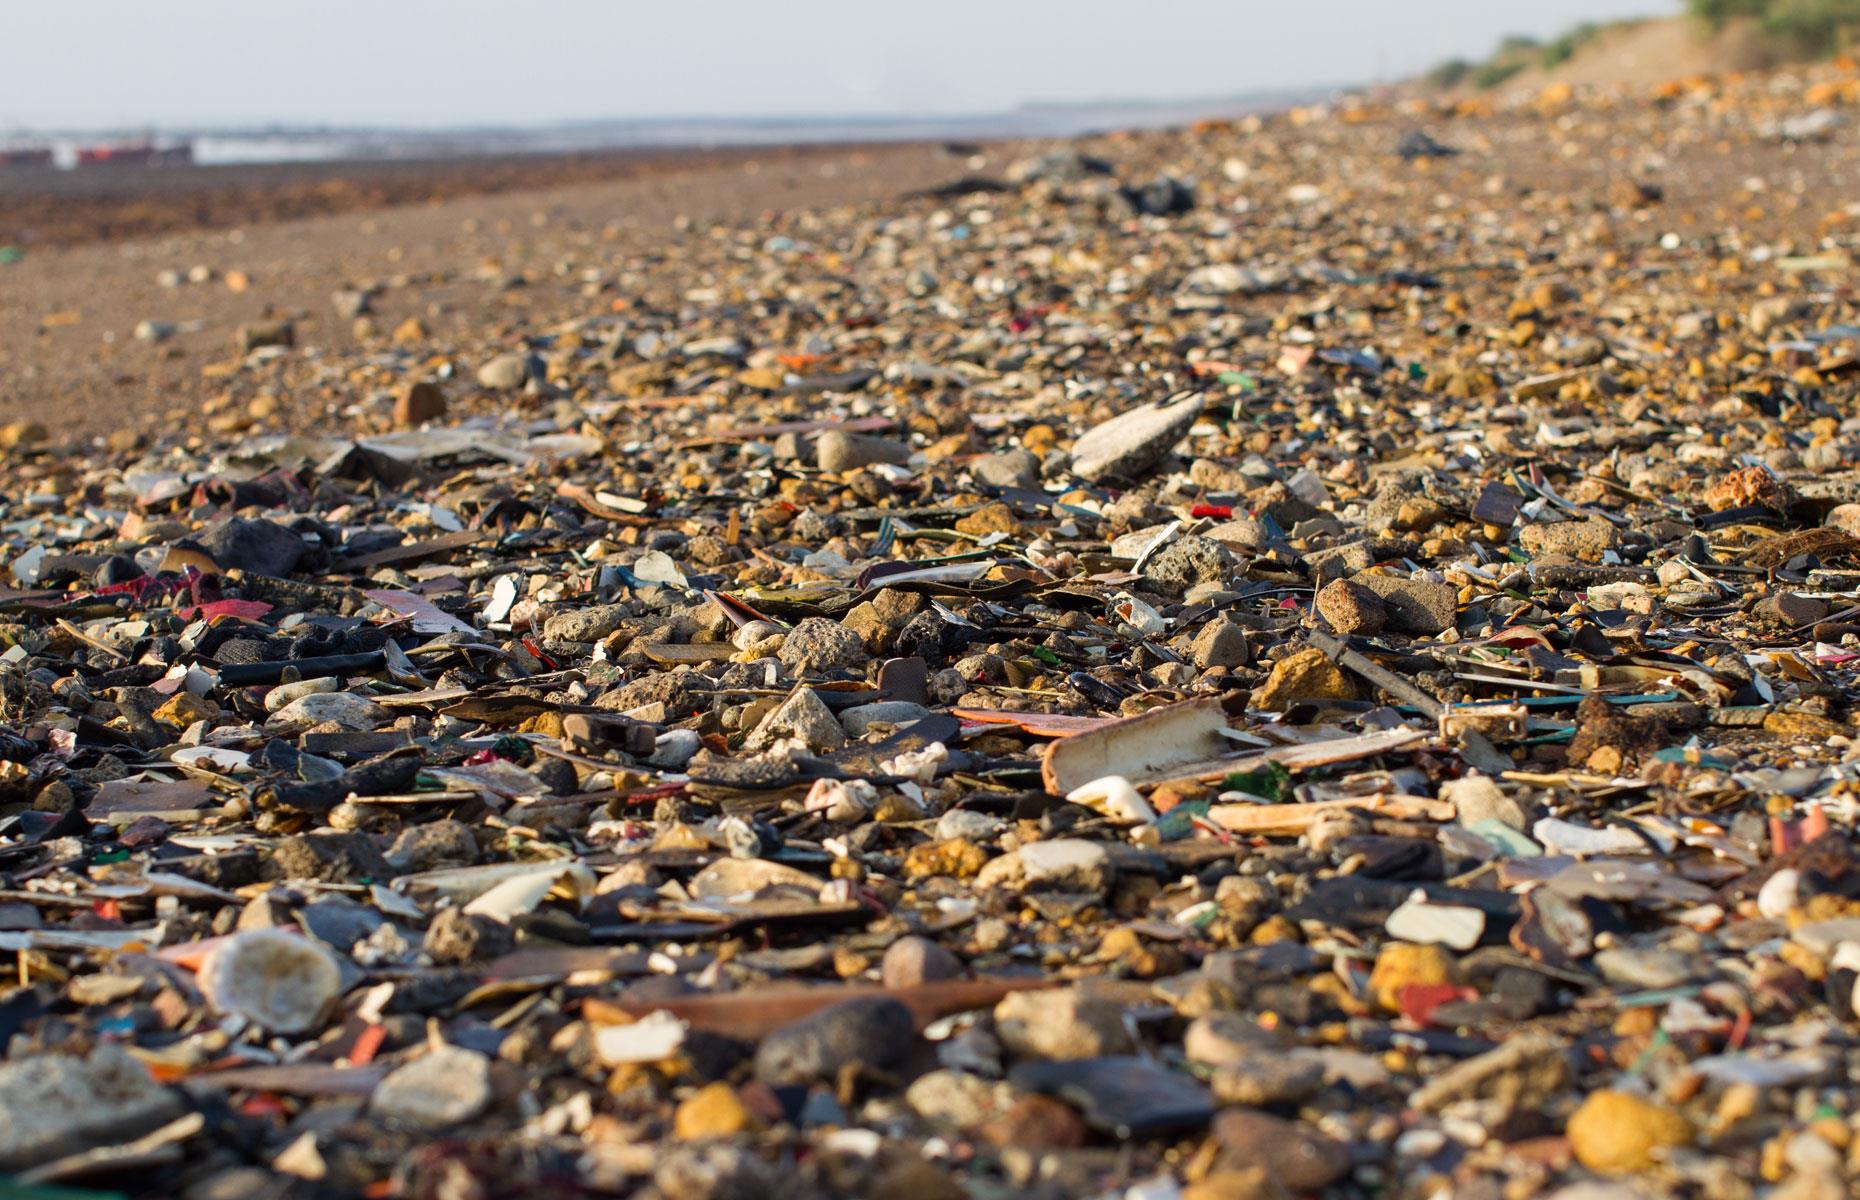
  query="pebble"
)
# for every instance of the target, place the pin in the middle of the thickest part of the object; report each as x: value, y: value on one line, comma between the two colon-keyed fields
x: 442, y: 1089
x: 875, y: 1033
x: 505, y: 373
x: 838, y: 452
x: 1061, y: 1023
x: 1129, y: 445
x: 1619, y: 1134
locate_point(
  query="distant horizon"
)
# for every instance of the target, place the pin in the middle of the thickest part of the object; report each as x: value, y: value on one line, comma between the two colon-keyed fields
x: 435, y: 64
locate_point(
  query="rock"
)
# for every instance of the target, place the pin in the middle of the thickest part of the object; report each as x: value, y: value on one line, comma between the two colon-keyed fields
x: 1127, y: 1097
x: 910, y: 961
x: 419, y: 403
x: 438, y: 1091
x: 53, y: 1105
x: 817, y: 645
x: 260, y: 334
x: 713, y: 1170
x: 456, y: 936
x: 586, y: 624
x: 1009, y: 469
x: 1750, y: 487
x: 1303, y: 675
x: 331, y: 857
x: 1416, y: 606
x: 1418, y: 920
x: 1250, y: 1065
x: 838, y: 452
x: 1402, y: 965
x: 505, y: 373
x: 874, y: 1033
x: 1061, y: 1023
x: 1129, y: 445
x: 1647, y: 970
x: 803, y: 717
x: 347, y: 709
x: 255, y: 546
x: 1036, y: 1123
x: 442, y: 843
x: 1787, y: 610
x: 350, y: 303
x: 1292, y: 1155
x: 277, y: 980
x: 955, y: 1099
x: 860, y: 718
x: 1349, y: 608
x: 713, y: 1111
x: 1221, y: 643
x: 1617, y: 1134
x: 1186, y: 562
x: 1066, y: 865
x: 1584, y: 540
x: 1477, y: 798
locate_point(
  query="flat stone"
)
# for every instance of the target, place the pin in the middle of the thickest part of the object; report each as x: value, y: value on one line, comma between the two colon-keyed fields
x: 440, y: 1090
x: 1293, y: 1155
x: 1066, y: 864
x: 1061, y: 1023
x: 1124, y: 1096
x: 872, y: 1032
x: 52, y: 1105
x: 838, y: 451
x: 1128, y: 445
x: 1416, y: 606
x: 861, y: 717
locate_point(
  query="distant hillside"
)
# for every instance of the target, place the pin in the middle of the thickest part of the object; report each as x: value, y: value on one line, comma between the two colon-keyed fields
x: 1719, y: 37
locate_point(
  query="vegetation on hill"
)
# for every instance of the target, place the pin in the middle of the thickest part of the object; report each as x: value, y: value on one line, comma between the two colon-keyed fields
x: 1514, y: 54
x: 1809, y: 27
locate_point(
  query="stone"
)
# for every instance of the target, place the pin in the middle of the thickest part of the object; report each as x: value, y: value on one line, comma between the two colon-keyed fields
x: 1061, y: 1023
x: 1616, y: 1133
x: 911, y: 961
x: 331, y: 857
x: 860, y: 718
x: 1351, y: 609
x: 1221, y: 643
x: 456, y: 936
x: 712, y: 1170
x: 1066, y: 865
x: 419, y: 403
x: 955, y: 1099
x: 589, y: 624
x: 347, y: 709
x: 1036, y: 1123
x: 1788, y: 610
x: 1584, y: 540
x: 1249, y: 1064
x: 441, y: 843
x: 1418, y: 920
x: 817, y: 645
x: 713, y: 1111
x: 1187, y: 562
x: 1416, y: 606
x: 1646, y: 970
x: 1526, y: 1071
x: 505, y: 373
x: 253, y: 545
x: 260, y: 334
x: 279, y: 981
x: 1401, y: 965
x: 1009, y: 469
x: 1127, y: 446
x: 53, y: 1105
x: 872, y: 1032
x: 1477, y: 798
x: 838, y: 452
x: 1303, y: 675
x: 1294, y: 1156
x: 1125, y: 1096
x: 803, y: 717
x: 442, y: 1089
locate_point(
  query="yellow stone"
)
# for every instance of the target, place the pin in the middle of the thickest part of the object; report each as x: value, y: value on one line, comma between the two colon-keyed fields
x: 1306, y: 675
x: 183, y: 709
x: 712, y: 1111
x: 957, y: 857
x: 1402, y: 964
x: 1618, y: 1134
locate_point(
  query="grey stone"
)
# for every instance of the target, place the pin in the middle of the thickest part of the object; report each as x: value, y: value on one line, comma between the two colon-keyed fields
x: 861, y: 717
x: 1645, y: 969
x: 52, y: 1105
x: 1009, y: 469
x: 869, y: 1032
x: 1130, y: 444
x: 456, y: 936
x: 1221, y: 643
x: 1066, y: 864
x: 910, y: 961
x: 1061, y: 1023
x: 586, y: 624
x: 505, y: 373
x: 255, y: 546
x: 817, y: 644
x: 1186, y: 562
x: 443, y: 1088
x: 803, y: 716
x: 838, y: 451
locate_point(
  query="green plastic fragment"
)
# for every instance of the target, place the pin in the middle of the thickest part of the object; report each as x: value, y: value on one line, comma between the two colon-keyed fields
x: 1268, y: 782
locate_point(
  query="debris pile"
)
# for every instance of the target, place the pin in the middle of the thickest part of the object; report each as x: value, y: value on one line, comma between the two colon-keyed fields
x: 1230, y: 663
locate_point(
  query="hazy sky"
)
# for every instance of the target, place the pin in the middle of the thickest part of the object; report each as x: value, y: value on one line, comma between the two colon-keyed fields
x: 436, y: 62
